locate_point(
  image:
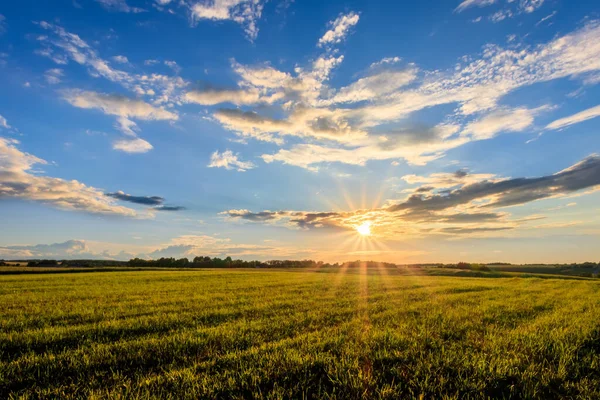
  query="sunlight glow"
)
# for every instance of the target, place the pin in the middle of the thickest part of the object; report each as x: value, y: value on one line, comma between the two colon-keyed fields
x: 364, y: 229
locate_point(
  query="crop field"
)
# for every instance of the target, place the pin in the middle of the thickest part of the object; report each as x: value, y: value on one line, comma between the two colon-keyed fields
x: 342, y: 333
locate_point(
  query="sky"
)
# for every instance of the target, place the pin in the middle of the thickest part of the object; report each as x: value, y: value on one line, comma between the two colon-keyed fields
x: 407, y: 132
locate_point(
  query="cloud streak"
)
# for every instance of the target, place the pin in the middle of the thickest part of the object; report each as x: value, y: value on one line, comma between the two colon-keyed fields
x: 575, y: 119
x: 156, y: 202
x: 473, y: 3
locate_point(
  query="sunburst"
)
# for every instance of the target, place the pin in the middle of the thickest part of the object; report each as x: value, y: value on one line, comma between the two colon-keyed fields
x: 364, y: 229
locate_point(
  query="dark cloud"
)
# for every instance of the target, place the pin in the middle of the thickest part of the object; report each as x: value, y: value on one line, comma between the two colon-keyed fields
x: 470, y: 218
x: 169, y: 208
x: 145, y: 200
x: 411, y: 135
x: 305, y: 220
x: 461, y: 173
x: 155, y: 201
x: 315, y: 220
x: 425, y: 216
x: 249, y: 116
x: 461, y: 230
x: 424, y: 189
x: 254, y: 217
x: 510, y: 192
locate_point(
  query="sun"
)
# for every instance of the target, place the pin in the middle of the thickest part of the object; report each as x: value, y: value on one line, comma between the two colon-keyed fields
x: 364, y: 229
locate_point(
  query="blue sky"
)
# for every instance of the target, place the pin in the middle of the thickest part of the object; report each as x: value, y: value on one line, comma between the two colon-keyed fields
x: 451, y: 130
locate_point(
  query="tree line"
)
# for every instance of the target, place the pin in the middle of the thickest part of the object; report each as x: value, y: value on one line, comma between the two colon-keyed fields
x: 228, y: 262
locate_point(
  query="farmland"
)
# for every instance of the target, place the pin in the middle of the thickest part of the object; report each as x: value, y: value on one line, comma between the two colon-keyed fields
x: 315, y: 333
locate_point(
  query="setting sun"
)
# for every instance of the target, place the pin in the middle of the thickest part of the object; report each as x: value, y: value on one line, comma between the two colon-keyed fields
x: 364, y: 229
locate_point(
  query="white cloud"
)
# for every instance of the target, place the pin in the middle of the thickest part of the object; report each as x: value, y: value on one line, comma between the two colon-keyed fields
x: 217, y: 96
x: 53, y: 76
x: 136, y: 145
x: 502, y: 120
x: 546, y: 18
x: 127, y: 126
x: 17, y: 180
x: 173, y: 65
x: 479, y: 85
x: 512, y: 8
x: 530, y: 6
x: 124, y: 108
x: 244, y: 12
x: 339, y: 29
x: 71, y: 248
x: 229, y: 160
x: 120, y: 59
x: 375, y: 86
x: 118, y: 105
x: 187, y: 246
x: 575, y: 119
x: 417, y: 147
x: 119, y: 5
x: 501, y: 15
x: 385, y: 61
x: 356, y: 116
x: 74, y: 249
x: 4, y: 123
x: 473, y: 3
x: 204, y: 245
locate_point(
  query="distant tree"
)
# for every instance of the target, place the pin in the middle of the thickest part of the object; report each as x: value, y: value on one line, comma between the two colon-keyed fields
x: 463, y: 265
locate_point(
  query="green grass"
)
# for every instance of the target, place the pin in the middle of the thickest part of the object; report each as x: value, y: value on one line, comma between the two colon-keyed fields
x: 297, y: 334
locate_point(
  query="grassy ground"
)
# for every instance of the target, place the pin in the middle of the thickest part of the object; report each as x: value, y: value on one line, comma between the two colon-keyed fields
x: 290, y: 334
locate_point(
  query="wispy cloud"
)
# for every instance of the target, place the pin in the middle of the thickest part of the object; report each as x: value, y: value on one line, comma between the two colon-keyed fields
x: 473, y: 3
x: 502, y: 120
x: 120, y: 6
x: 2, y: 24
x: 575, y: 119
x: 510, y: 9
x: 244, y: 12
x: 63, y: 47
x: 53, y: 76
x: 118, y: 105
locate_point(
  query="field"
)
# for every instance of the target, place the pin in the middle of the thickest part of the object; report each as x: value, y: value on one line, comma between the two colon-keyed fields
x: 340, y: 333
